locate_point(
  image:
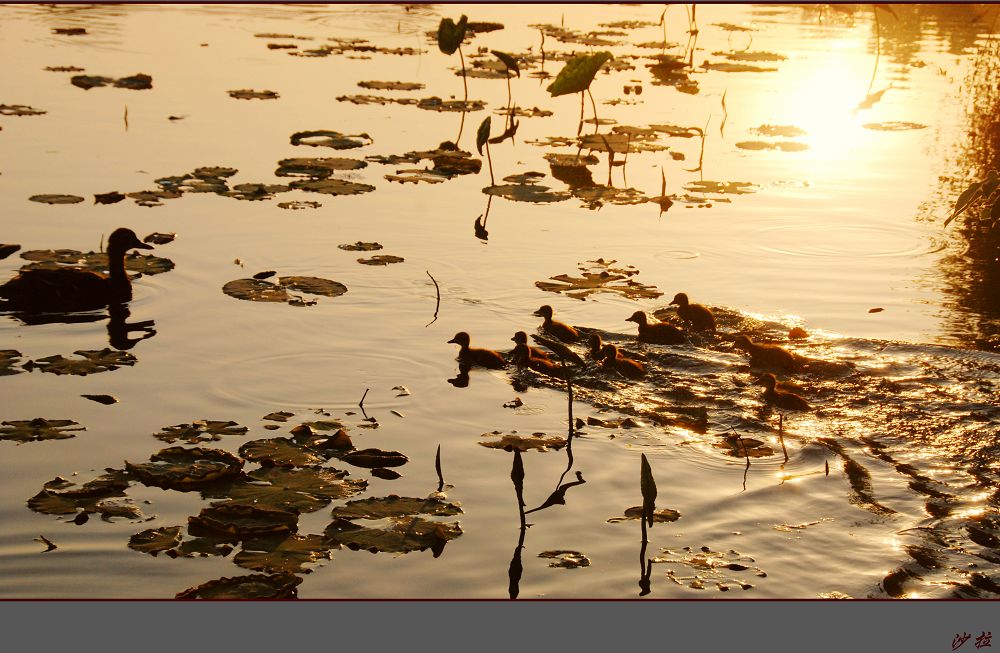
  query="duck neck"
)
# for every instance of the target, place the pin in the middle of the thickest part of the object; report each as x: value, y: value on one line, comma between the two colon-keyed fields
x: 121, y: 287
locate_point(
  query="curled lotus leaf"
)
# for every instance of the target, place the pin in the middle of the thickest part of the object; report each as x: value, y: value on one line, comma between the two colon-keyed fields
x: 451, y: 34
x: 156, y: 540
x: 250, y: 94
x: 391, y: 86
x: 397, y: 506
x: 360, y: 247
x: 566, y: 559
x: 381, y: 259
x: 333, y: 187
x: 600, y: 276
x: 8, y: 359
x: 55, y: 198
x: 19, y: 110
x: 402, y: 535
x: 635, y: 513
x: 316, y: 168
x: 178, y: 468
x: 578, y: 73
x: 292, y: 490
x: 241, y: 521
x: 522, y: 443
x: 90, y: 362
x: 283, y: 452
x: 202, y: 430
x: 96, y: 261
x: 85, y: 497
x: 332, y: 139
x: 39, y: 428
x: 254, y: 586
x: 287, y: 554
x: 509, y: 60
x: 372, y: 458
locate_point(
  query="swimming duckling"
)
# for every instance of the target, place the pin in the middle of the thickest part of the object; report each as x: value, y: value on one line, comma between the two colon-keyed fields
x: 781, y: 398
x: 521, y: 338
x: 699, y: 317
x: 560, y: 330
x: 771, y: 356
x: 659, y: 333
x: 522, y: 357
x: 481, y: 357
x: 627, y: 367
x: 596, y: 347
x: 68, y: 289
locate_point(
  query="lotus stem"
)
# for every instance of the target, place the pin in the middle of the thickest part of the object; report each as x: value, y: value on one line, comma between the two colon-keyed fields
x: 489, y: 159
x: 465, y: 85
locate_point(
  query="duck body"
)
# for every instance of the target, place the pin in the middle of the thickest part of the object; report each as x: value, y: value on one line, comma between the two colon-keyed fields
x: 771, y: 356
x: 627, y: 367
x: 560, y: 330
x: 477, y: 357
x: 781, y: 398
x: 521, y: 338
x: 69, y: 289
x: 658, y: 333
x: 521, y: 355
x: 699, y: 317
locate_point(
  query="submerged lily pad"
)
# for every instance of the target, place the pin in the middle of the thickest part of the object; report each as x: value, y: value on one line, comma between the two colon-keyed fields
x: 326, y: 138
x: 287, y: 554
x: 254, y: 586
x: 403, y: 535
x: 91, y: 362
x: 294, y: 490
x: 283, y: 452
x: 316, y: 168
x: 258, y: 290
x: 600, y: 276
x: 659, y: 516
x: 360, y: 247
x: 202, y: 430
x: 512, y: 441
x: 242, y: 520
x: 177, y: 468
x: 96, y: 261
x: 566, y: 559
x: 155, y: 540
x: 38, y: 429
x: 396, y: 506
x: 56, y: 199
x: 8, y: 359
x: 19, y: 110
x: 381, y: 259
x: 249, y: 94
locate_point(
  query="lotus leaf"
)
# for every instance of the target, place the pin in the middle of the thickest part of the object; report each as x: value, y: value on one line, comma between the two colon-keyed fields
x: 254, y: 192
x: 56, y: 199
x: 417, y: 176
x: 727, y: 67
x: 566, y: 559
x: 322, y: 442
x: 451, y: 34
x: 9, y: 358
x: 86, y: 496
x: 750, y: 56
x: 381, y: 259
x: 202, y: 430
x: 402, y: 535
x: 437, y: 104
x: 258, y: 290
x: 110, y: 509
x: 39, y: 429
x: 242, y: 521
x: 159, y: 239
x: 19, y: 110
x: 203, y: 547
x: 314, y: 286
x: 64, y: 69
x: 578, y: 73
x: 623, y: 140
x: 91, y: 362
x: 391, y: 86
x: 295, y: 206
x: 254, y: 586
x: 521, y: 112
x: 279, y: 416
x: 483, y: 135
x: 177, y: 468
x: 333, y: 187
x: 249, y: 94
x: 659, y: 516
x: 527, y: 192
x: 375, y: 99
x: 87, y: 82
x: 316, y: 168
x: 325, y: 138
x: 96, y: 261
x: 508, y: 60
x: 788, y: 131
x: 385, y: 474
x: 396, y: 506
x: 293, y: 490
x: 893, y: 126
x: 710, y: 565
x: 283, y: 555
x: 721, y: 187
x: 600, y: 276
x: 155, y: 540
x: 522, y: 443
x: 137, y: 82
x: 676, y: 131
x: 571, y: 160
x: 375, y: 458
x: 360, y: 247
x: 784, y: 146
x: 283, y: 452
x: 594, y: 196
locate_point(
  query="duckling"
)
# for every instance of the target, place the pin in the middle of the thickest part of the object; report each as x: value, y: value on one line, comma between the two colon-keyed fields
x: 771, y: 356
x: 560, y: 330
x: 71, y: 289
x: 596, y: 345
x: 659, y: 333
x: 699, y: 317
x: 481, y: 357
x: 522, y: 357
x: 521, y: 338
x: 781, y: 398
x: 627, y: 367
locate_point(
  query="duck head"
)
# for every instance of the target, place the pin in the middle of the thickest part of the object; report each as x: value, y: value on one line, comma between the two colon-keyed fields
x: 520, y: 338
x: 544, y: 311
x: 768, y: 380
x: 461, y: 338
x: 609, y: 351
x: 681, y: 299
x: 638, y: 317
x: 123, y: 239
x: 742, y: 342
x: 595, y: 343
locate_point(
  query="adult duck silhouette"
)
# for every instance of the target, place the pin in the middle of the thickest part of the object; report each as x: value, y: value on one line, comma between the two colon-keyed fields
x: 69, y: 289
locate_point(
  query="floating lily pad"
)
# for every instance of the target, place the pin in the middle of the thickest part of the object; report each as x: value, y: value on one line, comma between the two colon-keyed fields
x: 385, y: 474
x: 512, y: 441
x: 39, y: 429
x: 894, y: 126
x: 751, y: 56
x: 242, y: 521
x: 279, y: 416
x: 64, y: 69
x: 87, y: 82
x: 396, y: 506
x: 721, y: 187
x: 177, y: 468
x: 566, y: 559
x: 69, y: 31
x: 391, y: 86
x: 91, y: 362
x: 96, y: 261
x: 314, y: 286
x: 111, y: 509
x: 417, y: 176
x: 403, y: 535
x: 437, y: 104
x: 85, y: 497
x: 249, y: 94
x: 705, y: 564
x: 333, y: 187
x: 293, y: 490
x: 326, y: 138
x: 787, y: 131
x: 381, y: 259
x: 360, y: 247
x: 8, y: 359
x: 595, y: 196
x: 56, y: 199
x: 258, y: 290
x: 202, y: 430
x: 136, y: 82
x: 784, y: 146
x: 295, y: 206
x: 159, y: 239
x: 526, y: 189
x: 19, y: 110
x: 726, y: 67
x: 105, y: 400
x: 155, y: 540
x: 316, y: 168
x: 254, y: 586
x: 659, y: 516
x: 600, y: 276
x: 255, y: 192
x: 375, y: 458
x: 286, y: 555
x: 283, y: 452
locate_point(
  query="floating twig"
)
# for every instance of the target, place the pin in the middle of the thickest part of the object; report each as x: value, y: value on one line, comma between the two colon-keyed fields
x: 437, y: 306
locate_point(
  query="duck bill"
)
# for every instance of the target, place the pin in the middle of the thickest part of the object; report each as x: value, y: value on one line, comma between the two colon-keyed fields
x: 454, y: 340
x: 538, y: 313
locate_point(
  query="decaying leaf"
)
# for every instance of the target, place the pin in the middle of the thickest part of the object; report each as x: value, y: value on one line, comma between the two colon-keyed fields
x: 254, y: 586
x: 326, y: 138
x: 287, y: 554
x: 249, y: 94
x: 600, y: 276
x: 375, y: 458
x: 566, y: 559
x: 8, y: 359
x: 316, y: 168
x: 56, y: 199
x: 381, y: 259
x: 96, y: 261
x: 402, y: 535
x: 51, y: 501
x: 155, y: 540
x: 202, y: 430
x: 396, y: 506
x: 292, y: 490
x: 512, y: 441
x: 283, y: 452
x: 659, y: 516
x: 39, y: 429
x: 177, y: 468
x: 91, y: 362
x: 242, y: 521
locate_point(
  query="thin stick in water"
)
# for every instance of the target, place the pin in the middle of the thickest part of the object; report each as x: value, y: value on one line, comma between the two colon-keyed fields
x: 438, y: 305
x: 781, y: 436
x: 361, y: 404
x: 437, y: 468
